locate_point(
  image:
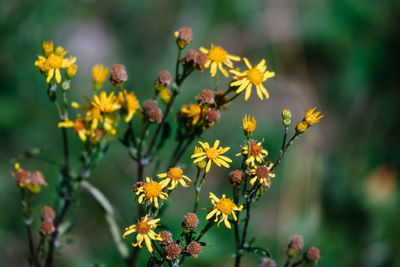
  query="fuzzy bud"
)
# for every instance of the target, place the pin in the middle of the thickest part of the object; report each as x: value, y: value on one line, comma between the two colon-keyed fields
x: 190, y: 222
x: 172, y: 251
x: 295, y: 245
x: 166, y: 238
x: 267, y: 262
x: 118, y: 74
x: 194, y: 249
x: 236, y: 177
x: 183, y: 37
x: 165, y: 95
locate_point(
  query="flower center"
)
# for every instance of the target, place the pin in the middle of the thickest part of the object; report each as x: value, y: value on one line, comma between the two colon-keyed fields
x: 262, y: 172
x: 212, y: 153
x: 142, y: 227
x: 255, y: 76
x: 217, y: 54
x: 55, y: 61
x: 79, y: 124
x: 152, y: 189
x: 225, y: 205
x: 175, y: 173
x: 255, y: 149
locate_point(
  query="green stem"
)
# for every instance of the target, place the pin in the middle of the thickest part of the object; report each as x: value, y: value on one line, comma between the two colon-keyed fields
x: 197, y: 190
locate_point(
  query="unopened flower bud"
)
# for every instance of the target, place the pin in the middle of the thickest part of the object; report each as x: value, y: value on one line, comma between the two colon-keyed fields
x: 313, y: 254
x: 48, y: 48
x: 295, y: 245
x: 172, y: 251
x: 267, y: 262
x: 166, y: 238
x: 165, y: 95
x: 71, y: 71
x: 183, y: 37
x: 47, y: 228
x: 190, y: 221
x: 48, y: 214
x: 236, y: 177
x: 301, y: 127
x: 194, y: 249
x: 118, y: 74
x: 286, y: 114
x: 155, y: 116
x: 65, y: 85
x: 22, y: 177
x: 59, y: 51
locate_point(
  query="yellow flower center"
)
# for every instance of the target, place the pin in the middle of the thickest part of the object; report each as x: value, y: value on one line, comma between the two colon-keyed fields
x: 212, y: 153
x: 255, y: 149
x: 255, y: 76
x: 152, y: 189
x: 55, y: 61
x: 225, y: 205
x: 217, y: 54
x: 142, y: 227
x: 175, y: 173
x: 79, y: 124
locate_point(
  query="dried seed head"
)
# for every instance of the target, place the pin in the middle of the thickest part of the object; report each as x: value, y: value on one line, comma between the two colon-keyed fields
x: 22, y: 177
x: 172, y: 251
x: 47, y: 228
x: 37, y: 179
x: 184, y: 37
x: 164, y: 79
x: 313, y: 254
x: 212, y: 115
x: 201, y: 60
x: 262, y: 172
x: 267, y: 184
x: 190, y: 57
x: 118, y: 74
x: 236, y: 177
x: 267, y: 262
x: 166, y: 238
x: 194, y: 249
x: 190, y: 221
x: 149, y: 106
x: 137, y: 185
x: 206, y: 97
x: 155, y: 116
x: 295, y: 245
x: 48, y: 214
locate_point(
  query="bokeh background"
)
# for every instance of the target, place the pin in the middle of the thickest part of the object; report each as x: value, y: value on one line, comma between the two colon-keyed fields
x: 338, y: 185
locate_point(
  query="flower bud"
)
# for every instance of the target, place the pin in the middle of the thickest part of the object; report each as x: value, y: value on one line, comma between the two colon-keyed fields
x: 190, y: 222
x: 286, y: 114
x: 267, y: 262
x: 194, y: 249
x: 165, y: 95
x: 183, y: 37
x: 295, y: 245
x: 164, y: 79
x: 59, y: 51
x: 36, y: 182
x: 47, y: 228
x: 71, y: 71
x: 166, y: 238
x: 118, y: 74
x: 155, y: 116
x: 47, y: 47
x: 313, y: 254
x: 301, y: 127
x: 48, y: 214
x: 99, y: 75
x: 206, y: 97
x: 172, y: 251
x: 65, y: 85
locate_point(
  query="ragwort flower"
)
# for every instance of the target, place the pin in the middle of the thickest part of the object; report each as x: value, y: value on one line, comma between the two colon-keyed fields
x: 312, y: 118
x: 78, y: 125
x: 144, y: 229
x: 151, y: 191
x: 253, y: 76
x: 222, y: 209
x: 249, y: 125
x: 212, y: 154
x: 257, y: 152
x: 129, y: 103
x: 99, y: 75
x: 217, y: 56
x: 174, y: 176
x: 263, y: 174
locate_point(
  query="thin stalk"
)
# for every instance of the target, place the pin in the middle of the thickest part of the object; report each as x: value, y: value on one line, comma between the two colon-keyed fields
x: 196, y: 184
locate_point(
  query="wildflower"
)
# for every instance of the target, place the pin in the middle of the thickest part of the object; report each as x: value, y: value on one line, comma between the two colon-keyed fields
x: 48, y: 213
x: 52, y: 63
x: 78, y: 125
x: 236, y: 177
x: 313, y: 254
x: 201, y: 164
x: 267, y: 262
x: 295, y: 245
x: 163, y: 80
x: 216, y: 57
x: 183, y: 37
x: 212, y: 154
x: 257, y: 152
x: 144, y: 229
x: 253, y: 76
x: 190, y: 222
x: 99, y: 75
x: 194, y: 249
x: 165, y: 95
x: 129, y: 103
x: 118, y: 74
x: 262, y: 174
x: 172, y: 251
x: 22, y: 176
x: 223, y: 207
x: 36, y: 182
x: 166, y: 238
x: 151, y: 191
x: 286, y: 116
x: 174, y: 176
x: 249, y: 125
x: 70, y: 72
x: 192, y: 112
x: 106, y: 104
x: 206, y: 97
x: 312, y: 118
x: 301, y: 127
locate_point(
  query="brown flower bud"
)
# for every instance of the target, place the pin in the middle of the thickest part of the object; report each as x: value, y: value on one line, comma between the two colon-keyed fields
x: 164, y: 79
x: 166, y: 238
x: 313, y: 254
x: 118, y: 74
x: 236, y: 177
x: 194, y: 249
x: 267, y: 262
x: 47, y: 228
x: 212, y: 115
x: 155, y: 116
x: 22, y: 177
x: 190, y: 57
x: 137, y: 185
x: 295, y: 245
x: 149, y: 106
x: 184, y: 37
x: 206, y: 97
x: 201, y: 60
x: 190, y: 221
x: 48, y: 214
x: 172, y: 251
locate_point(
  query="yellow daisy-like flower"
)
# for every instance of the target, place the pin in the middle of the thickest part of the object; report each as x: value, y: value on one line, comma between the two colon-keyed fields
x: 217, y: 56
x: 263, y: 174
x: 249, y: 125
x: 212, y: 154
x: 193, y: 112
x: 253, y: 76
x: 129, y: 103
x: 151, y: 191
x: 48, y: 47
x: 78, y: 125
x: 99, y: 75
x: 52, y: 63
x: 174, y: 176
x: 144, y: 229
x: 257, y: 153
x: 222, y: 209
x: 311, y: 117
x: 106, y: 104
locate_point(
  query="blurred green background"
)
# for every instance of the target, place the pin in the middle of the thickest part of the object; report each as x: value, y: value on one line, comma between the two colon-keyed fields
x: 337, y: 186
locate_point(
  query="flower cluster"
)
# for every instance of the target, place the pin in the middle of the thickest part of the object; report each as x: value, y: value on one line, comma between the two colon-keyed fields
x: 25, y: 179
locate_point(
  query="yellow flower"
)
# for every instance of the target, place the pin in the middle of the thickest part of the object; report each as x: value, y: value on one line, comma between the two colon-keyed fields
x: 223, y: 207
x: 249, y: 125
x: 192, y: 111
x: 144, y: 229
x: 99, y: 75
x: 257, y: 153
x: 174, y: 176
x: 212, y: 154
x: 78, y: 125
x: 216, y: 57
x: 129, y: 103
x: 301, y: 127
x: 104, y: 103
x: 253, y: 76
x: 263, y: 174
x: 312, y: 118
x: 47, y: 47
x: 151, y: 191
x: 53, y: 62
x: 71, y: 71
